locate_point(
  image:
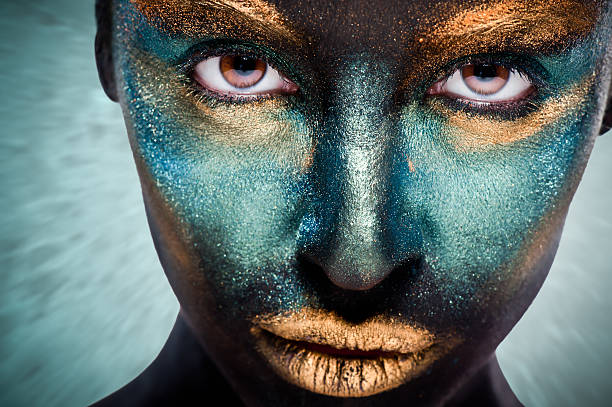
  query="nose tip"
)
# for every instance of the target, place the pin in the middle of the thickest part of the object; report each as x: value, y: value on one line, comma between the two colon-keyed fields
x: 356, y: 270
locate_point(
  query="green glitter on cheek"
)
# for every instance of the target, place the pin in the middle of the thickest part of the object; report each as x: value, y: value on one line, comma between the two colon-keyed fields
x: 481, y: 209
x: 234, y: 178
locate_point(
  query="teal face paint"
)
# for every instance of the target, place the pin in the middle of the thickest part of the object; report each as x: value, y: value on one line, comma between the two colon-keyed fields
x: 405, y: 229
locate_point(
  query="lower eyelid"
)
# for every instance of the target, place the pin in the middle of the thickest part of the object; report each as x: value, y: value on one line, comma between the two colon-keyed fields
x: 468, y: 131
x: 506, y: 111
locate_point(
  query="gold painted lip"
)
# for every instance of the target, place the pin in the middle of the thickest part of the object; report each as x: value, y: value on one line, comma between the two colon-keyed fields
x: 321, y: 352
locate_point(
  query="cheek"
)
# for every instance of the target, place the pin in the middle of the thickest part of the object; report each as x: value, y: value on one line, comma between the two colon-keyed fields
x: 232, y: 177
x: 483, y: 214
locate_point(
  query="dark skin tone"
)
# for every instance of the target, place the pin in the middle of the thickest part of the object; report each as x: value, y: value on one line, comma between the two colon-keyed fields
x: 191, y: 369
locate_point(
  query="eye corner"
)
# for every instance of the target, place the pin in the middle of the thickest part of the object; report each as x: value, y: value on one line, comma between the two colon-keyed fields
x: 437, y: 87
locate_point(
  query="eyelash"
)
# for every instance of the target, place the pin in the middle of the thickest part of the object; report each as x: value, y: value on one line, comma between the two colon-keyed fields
x: 525, y: 67
x: 203, y: 95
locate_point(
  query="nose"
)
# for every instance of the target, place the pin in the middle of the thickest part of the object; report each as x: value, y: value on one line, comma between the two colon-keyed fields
x: 349, y: 228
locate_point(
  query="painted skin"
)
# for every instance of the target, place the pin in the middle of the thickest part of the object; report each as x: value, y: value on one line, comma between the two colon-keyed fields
x: 363, y: 237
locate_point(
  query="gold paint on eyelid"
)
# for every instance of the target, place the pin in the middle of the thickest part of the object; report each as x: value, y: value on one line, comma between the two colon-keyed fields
x: 265, y: 128
x: 197, y: 18
x: 472, y: 131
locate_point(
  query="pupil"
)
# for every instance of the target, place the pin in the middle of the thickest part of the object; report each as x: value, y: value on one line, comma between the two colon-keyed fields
x: 486, y: 72
x: 244, y: 66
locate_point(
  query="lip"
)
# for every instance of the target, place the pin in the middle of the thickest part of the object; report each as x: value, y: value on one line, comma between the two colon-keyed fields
x: 323, y: 353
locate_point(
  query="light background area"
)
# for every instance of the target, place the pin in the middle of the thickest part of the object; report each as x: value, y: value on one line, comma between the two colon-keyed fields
x: 84, y: 304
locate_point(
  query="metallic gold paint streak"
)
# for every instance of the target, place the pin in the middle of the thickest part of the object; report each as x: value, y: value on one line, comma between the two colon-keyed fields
x: 540, y: 26
x: 408, y: 351
x: 471, y: 131
x: 537, y: 244
x: 198, y: 18
x: 524, y: 22
x: 263, y: 127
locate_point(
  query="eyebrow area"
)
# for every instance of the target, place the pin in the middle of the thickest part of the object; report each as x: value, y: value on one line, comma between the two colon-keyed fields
x: 423, y: 39
x: 540, y: 27
x: 247, y: 19
x: 530, y: 24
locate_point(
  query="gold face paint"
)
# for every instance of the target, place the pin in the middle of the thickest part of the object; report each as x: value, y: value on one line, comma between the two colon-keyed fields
x: 444, y: 233
x: 524, y: 23
x: 472, y: 131
x: 323, y: 353
x: 230, y: 18
x: 261, y: 125
x: 529, y: 26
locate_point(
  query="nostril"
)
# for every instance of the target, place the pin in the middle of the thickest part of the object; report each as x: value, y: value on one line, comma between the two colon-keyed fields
x: 356, y: 277
x: 356, y: 305
x: 355, y: 271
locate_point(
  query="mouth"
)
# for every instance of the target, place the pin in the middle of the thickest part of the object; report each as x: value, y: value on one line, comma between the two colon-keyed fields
x: 321, y: 352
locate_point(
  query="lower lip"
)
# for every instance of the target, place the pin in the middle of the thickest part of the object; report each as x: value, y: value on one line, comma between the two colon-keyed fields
x: 342, y: 373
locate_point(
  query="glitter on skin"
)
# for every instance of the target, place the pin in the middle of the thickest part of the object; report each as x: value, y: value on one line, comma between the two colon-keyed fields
x: 194, y: 18
x: 526, y: 23
x: 396, y: 352
x: 431, y: 241
x: 261, y: 125
x: 533, y: 27
x: 470, y: 131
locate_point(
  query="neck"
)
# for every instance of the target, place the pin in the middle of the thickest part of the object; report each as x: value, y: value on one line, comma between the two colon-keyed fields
x: 181, y: 374
x: 488, y: 387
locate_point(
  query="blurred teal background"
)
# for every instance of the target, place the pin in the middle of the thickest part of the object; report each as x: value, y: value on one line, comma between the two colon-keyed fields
x: 84, y: 304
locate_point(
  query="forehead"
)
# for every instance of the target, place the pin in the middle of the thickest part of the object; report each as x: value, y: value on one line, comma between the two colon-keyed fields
x: 361, y: 25
x: 381, y: 22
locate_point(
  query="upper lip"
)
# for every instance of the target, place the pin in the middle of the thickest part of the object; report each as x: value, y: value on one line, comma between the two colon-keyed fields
x: 330, y: 333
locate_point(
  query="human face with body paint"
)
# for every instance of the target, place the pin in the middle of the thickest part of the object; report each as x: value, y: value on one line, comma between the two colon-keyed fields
x: 356, y: 201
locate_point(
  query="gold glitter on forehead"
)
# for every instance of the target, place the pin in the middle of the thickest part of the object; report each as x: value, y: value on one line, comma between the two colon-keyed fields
x: 197, y: 18
x: 470, y: 131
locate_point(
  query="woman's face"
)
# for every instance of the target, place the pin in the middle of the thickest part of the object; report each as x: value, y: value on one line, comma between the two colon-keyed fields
x: 357, y: 198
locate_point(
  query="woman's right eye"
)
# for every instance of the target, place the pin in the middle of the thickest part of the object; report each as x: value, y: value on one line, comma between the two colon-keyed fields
x: 241, y: 77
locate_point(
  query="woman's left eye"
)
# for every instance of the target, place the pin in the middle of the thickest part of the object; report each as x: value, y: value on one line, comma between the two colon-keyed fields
x: 484, y: 84
x: 241, y: 77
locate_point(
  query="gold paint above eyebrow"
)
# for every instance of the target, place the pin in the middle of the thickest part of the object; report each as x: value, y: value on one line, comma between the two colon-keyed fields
x: 201, y: 17
x: 540, y: 21
x: 472, y: 132
x: 540, y: 27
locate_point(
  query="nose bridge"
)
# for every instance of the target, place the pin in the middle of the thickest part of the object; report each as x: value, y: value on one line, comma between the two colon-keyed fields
x: 354, y: 160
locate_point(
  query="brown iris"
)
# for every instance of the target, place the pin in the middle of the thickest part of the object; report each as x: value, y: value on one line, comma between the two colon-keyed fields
x: 242, y: 71
x: 485, y: 79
